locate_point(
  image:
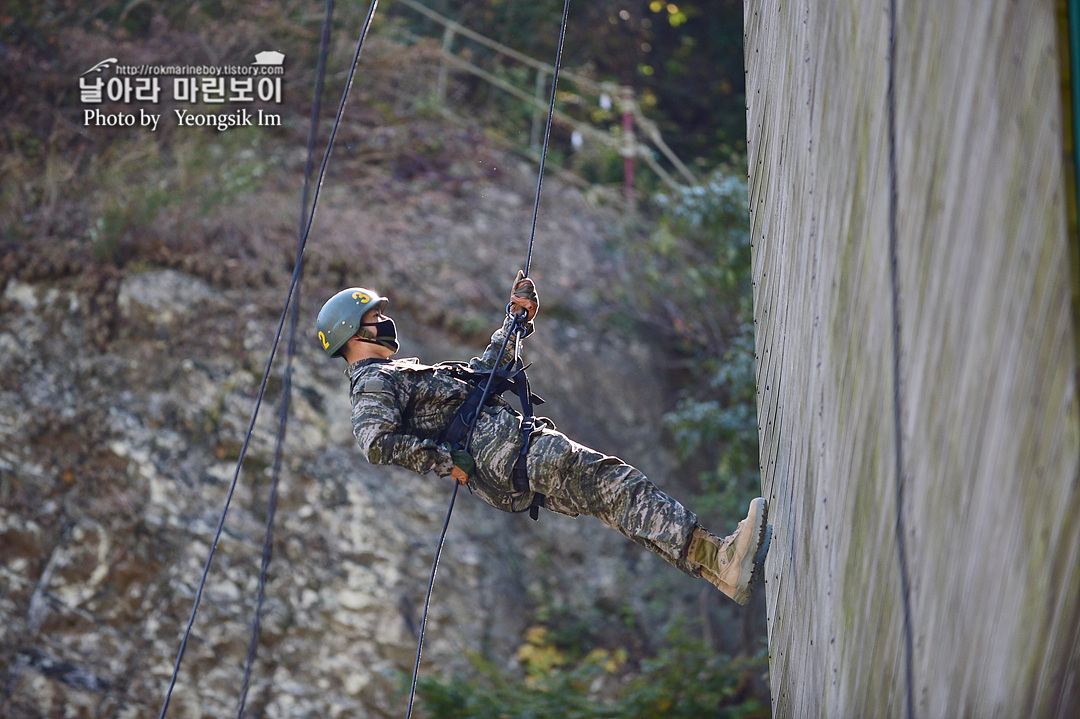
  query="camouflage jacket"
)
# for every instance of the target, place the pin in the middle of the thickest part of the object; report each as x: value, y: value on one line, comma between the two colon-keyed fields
x: 400, y: 408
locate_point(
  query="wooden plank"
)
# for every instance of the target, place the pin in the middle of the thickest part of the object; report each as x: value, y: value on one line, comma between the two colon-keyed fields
x: 987, y: 389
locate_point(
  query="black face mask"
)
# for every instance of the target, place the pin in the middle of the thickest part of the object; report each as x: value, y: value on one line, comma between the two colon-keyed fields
x: 385, y: 333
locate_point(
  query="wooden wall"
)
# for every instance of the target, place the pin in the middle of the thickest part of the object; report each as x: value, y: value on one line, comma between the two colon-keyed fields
x: 917, y: 361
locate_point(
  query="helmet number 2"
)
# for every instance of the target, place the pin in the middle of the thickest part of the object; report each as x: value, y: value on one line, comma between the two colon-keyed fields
x: 322, y: 338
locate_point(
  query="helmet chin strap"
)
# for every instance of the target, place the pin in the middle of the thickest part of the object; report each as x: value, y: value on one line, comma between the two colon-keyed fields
x: 386, y: 342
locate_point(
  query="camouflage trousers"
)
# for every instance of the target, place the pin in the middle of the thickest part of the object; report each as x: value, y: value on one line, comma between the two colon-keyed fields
x: 578, y: 480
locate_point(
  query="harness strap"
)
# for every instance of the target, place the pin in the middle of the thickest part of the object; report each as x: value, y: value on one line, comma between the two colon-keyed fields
x: 520, y: 478
x: 507, y: 379
x: 499, y: 379
x: 489, y: 384
x: 520, y: 475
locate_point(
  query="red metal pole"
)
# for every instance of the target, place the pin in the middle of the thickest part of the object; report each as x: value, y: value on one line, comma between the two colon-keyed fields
x: 629, y: 147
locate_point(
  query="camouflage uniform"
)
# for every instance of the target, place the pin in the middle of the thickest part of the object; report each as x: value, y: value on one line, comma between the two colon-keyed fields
x: 400, y: 408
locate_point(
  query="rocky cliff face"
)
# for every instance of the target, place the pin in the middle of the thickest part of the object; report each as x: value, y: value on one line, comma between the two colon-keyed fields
x: 126, y: 394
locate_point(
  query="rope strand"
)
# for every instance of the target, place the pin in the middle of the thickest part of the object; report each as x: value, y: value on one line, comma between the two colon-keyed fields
x: 442, y: 535
x: 427, y: 598
x: 269, y: 363
x: 518, y: 324
x: 547, y: 133
x: 286, y: 387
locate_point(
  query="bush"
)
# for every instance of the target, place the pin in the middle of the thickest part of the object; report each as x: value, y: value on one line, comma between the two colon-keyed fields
x: 685, y: 680
x: 695, y: 270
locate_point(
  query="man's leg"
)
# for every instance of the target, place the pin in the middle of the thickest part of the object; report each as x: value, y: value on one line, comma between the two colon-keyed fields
x: 580, y: 480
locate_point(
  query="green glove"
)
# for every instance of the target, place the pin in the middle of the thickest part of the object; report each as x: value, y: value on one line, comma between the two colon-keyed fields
x: 464, y: 465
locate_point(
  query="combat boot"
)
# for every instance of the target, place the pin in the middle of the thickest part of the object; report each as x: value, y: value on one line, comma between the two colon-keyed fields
x: 733, y: 563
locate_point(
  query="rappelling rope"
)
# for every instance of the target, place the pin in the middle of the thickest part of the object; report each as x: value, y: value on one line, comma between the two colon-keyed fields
x: 286, y: 386
x: 442, y: 538
x: 547, y: 133
x: 898, y: 434
x: 518, y: 328
x: 269, y: 363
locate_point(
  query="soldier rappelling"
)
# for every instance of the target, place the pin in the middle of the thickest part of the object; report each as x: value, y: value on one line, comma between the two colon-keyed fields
x: 403, y: 413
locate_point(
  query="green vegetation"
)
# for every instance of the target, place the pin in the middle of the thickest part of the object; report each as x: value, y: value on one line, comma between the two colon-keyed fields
x: 696, y: 268
x: 704, y: 231
x: 685, y: 680
x: 683, y: 59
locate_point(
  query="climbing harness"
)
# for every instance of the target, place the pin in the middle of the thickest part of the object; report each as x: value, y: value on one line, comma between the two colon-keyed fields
x: 493, y: 383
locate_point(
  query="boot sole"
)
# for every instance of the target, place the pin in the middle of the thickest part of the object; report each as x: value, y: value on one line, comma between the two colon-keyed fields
x: 760, y: 558
x: 753, y: 560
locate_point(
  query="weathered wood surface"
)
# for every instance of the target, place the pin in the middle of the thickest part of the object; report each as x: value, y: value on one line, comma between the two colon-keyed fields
x: 988, y: 500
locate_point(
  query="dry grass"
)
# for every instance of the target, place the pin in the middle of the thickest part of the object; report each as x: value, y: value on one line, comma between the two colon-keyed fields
x: 223, y: 205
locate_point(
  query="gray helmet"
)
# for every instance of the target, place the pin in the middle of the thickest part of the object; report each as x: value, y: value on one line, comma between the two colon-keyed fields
x: 339, y: 319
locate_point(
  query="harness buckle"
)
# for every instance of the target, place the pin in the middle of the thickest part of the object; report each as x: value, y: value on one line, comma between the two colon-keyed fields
x: 519, y: 320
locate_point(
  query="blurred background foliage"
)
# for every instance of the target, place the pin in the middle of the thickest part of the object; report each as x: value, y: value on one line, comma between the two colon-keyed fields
x: 683, y: 59
x: 699, y: 257
x: 686, y: 679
